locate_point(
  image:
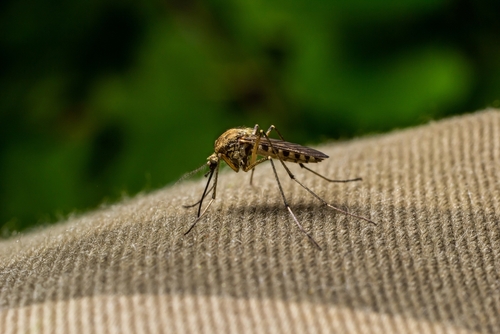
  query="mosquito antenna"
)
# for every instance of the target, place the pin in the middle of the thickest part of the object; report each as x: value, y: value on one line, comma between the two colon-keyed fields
x: 188, y: 174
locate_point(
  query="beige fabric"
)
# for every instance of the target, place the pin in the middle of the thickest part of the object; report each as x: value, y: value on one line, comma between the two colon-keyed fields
x: 207, y: 314
x: 430, y: 265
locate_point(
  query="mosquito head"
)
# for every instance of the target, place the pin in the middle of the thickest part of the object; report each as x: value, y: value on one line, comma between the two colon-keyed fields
x: 213, y: 161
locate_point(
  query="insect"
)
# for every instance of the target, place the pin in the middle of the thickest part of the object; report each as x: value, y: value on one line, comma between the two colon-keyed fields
x: 240, y: 148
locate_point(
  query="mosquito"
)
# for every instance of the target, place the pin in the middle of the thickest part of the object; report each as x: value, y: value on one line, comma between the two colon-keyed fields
x: 240, y: 149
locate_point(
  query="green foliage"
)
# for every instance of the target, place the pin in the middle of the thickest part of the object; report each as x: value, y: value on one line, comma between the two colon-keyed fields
x: 105, y: 98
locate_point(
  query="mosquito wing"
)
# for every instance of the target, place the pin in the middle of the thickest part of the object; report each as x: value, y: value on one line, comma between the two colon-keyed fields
x: 286, y: 151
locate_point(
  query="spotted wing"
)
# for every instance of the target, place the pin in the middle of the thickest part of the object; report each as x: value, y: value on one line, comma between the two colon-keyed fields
x: 285, y: 150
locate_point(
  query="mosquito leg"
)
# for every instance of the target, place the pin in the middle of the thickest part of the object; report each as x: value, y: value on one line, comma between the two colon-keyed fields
x: 271, y: 128
x: 253, y: 156
x: 252, y: 167
x: 289, y: 209
x: 195, y: 204
x: 258, y: 162
x: 251, y: 176
x: 255, y: 130
x: 199, y: 217
x: 327, y: 179
x: 205, y: 192
x: 331, y: 206
x: 309, y: 190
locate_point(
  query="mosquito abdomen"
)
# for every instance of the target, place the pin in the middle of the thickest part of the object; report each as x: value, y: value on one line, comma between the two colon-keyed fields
x: 306, y: 155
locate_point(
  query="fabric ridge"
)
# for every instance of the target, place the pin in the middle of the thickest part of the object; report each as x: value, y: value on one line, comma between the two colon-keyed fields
x: 431, y: 264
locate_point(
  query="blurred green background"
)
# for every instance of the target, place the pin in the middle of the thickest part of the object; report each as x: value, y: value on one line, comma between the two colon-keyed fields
x: 101, y: 99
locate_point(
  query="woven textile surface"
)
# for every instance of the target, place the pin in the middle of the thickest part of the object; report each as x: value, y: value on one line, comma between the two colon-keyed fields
x: 430, y: 265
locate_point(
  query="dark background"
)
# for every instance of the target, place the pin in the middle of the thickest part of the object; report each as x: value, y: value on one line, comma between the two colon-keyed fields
x: 101, y: 99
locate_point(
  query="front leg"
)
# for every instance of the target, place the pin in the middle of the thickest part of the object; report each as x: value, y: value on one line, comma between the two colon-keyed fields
x: 271, y: 128
x: 255, y: 130
x: 253, y: 157
x: 258, y: 162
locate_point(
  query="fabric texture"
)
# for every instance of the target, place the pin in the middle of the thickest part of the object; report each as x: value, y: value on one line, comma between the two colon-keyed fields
x: 430, y: 265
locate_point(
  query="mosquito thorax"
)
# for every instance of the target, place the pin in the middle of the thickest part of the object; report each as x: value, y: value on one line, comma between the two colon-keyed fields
x: 229, y: 139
